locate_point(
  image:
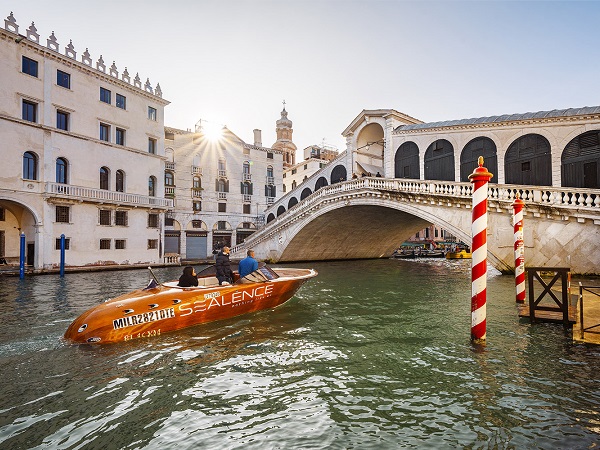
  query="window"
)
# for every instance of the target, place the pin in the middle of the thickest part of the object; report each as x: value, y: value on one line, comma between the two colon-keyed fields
x: 120, y: 181
x: 284, y: 175
x: 62, y: 214
x: 105, y: 217
x: 246, y: 167
x: 121, y: 101
x: 222, y: 164
x: 221, y: 225
x: 197, y: 206
x: 246, y: 208
x: 269, y: 155
x: 197, y: 183
x: 152, y: 146
x: 293, y: 172
x: 120, y: 136
x: 152, y: 244
x: 104, y: 177
x: 152, y: 220
x: 169, y: 222
x: 121, y: 218
x: 62, y: 120
x: 152, y: 186
x: 305, y: 166
x: 104, y: 132
x: 63, y: 79
x: 29, y: 166
x: 61, y: 170
x: 222, y: 207
x: 120, y: 244
x: 151, y: 113
x: 57, y: 244
x: 104, y: 244
x: 29, y: 111
x: 222, y: 186
x: 105, y: 95
x: 270, y: 171
x: 29, y: 66
x: 196, y: 224
x: 169, y: 179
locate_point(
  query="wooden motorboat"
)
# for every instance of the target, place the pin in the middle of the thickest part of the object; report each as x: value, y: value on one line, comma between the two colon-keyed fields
x: 463, y: 254
x: 163, y: 307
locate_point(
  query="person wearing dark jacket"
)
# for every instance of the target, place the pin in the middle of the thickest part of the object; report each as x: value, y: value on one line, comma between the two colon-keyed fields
x: 223, y: 266
x: 188, y: 278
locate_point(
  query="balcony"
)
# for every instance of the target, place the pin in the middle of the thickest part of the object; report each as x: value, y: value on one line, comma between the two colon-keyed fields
x: 170, y: 191
x: 85, y: 194
x: 270, y: 201
x: 270, y: 180
x: 222, y: 174
x: 222, y: 195
x: 247, y: 198
x: 196, y: 170
x: 197, y: 193
x: 169, y: 166
x: 247, y: 177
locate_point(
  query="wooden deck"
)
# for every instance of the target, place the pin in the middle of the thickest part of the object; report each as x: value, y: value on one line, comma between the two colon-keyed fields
x: 591, y: 317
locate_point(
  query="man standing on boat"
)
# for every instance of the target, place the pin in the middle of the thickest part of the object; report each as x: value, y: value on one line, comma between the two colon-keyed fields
x: 248, y: 264
x: 224, y: 272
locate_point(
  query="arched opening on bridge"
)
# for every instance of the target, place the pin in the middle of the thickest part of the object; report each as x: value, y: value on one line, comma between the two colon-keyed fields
x: 305, y: 193
x: 280, y: 210
x: 270, y: 217
x: 439, y: 161
x: 370, y: 145
x: 321, y: 182
x: 528, y: 160
x: 293, y: 202
x: 338, y: 174
x: 480, y: 146
x: 580, y: 161
x: 406, y: 161
x: 16, y: 218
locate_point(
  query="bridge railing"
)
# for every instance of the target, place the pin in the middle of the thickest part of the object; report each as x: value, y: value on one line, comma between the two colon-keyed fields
x: 583, y: 199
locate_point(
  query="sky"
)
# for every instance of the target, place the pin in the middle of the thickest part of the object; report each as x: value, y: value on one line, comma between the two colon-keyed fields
x: 233, y: 62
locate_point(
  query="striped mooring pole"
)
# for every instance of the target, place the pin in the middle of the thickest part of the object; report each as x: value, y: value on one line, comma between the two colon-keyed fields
x: 518, y: 205
x: 480, y: 178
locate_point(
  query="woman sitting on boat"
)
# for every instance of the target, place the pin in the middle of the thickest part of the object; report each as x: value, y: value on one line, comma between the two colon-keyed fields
x: 188, y: 278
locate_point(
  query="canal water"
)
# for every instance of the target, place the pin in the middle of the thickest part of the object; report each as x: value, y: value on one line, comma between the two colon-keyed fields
x: 368, y: 355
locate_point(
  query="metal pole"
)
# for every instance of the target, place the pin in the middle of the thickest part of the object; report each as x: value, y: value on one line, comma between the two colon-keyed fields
x: 480, y: 178
x: 519, y: 248
x: 62, y: 255
x: 22, y: 257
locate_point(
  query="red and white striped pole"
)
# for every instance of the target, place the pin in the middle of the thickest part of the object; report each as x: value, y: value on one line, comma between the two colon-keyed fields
x: 480, y: 178
x: 518, y: 205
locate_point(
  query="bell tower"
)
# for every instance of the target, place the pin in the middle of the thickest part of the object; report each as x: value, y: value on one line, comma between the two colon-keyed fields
x: 284, y: 139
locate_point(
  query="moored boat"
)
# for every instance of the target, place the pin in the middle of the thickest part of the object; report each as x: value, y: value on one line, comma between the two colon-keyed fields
x: 163, y: 307
x: 463, y: 254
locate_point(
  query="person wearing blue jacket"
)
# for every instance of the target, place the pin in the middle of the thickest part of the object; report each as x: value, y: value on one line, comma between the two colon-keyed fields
x: 248, y: 264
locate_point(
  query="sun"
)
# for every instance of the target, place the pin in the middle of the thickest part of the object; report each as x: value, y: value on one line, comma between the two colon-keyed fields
x: 212, y: 130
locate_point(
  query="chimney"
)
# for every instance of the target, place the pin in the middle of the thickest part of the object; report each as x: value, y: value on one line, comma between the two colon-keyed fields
x: 257, y: 138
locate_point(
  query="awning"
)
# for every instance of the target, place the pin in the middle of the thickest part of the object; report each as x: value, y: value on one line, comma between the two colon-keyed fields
x: 366, y: 168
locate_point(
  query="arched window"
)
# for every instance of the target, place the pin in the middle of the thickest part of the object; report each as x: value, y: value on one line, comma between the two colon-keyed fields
x: 305, y: 193
x: 270, y: 191
x: 61, y: 171
x: 169, y: 178
x: 338, y: 174
x: 406, y: 161
x: 439, y: 161
x: 269, y: 171
x: 321, y: 182
x: 246, y: 167
x: 197, y: 183
x: 528, y: 161
x: 221, y: 186
x: 280, y: 210
x: 580, y: 161
x: 246, y: 188
x: 29, y: 166
x: 120, y: 181
x: 104, y: 174
x: 152, y: 186
x: 480, y: 146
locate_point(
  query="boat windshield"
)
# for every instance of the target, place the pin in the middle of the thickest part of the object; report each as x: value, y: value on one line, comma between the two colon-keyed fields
x: 260, y: 275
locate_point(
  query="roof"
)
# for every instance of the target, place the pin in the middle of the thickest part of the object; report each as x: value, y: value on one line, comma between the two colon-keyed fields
x: 504, y: 118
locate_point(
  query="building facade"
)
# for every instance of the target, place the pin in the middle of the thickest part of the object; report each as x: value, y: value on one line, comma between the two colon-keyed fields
x: 220, y: 188
x: 83, y: 156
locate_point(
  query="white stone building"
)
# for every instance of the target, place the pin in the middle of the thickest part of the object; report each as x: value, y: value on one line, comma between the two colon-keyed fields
x: 220, y: 187
x: 83, y: 156
x: 298, y: 173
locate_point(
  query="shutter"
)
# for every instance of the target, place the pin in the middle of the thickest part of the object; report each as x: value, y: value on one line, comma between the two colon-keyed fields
x: 250, y: 188
x: 227, y: 186
x: 217, y: 185
x: 242, y: 187
x: 266, y: 190
x: 274, y: 191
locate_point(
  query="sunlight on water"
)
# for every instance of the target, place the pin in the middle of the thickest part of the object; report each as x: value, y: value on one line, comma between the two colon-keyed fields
x: 370, y: 354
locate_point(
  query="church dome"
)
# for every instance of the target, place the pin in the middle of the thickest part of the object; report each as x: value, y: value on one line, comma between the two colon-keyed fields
x: 284, y: 122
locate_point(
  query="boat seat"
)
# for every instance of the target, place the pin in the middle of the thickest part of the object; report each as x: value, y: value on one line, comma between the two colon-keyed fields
x: 202, y: 282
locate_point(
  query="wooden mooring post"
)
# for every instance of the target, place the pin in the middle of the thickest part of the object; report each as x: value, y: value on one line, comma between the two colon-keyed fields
x: 559, y: 313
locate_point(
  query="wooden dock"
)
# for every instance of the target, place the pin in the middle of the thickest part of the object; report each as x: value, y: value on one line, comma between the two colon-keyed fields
x: 590, y: 316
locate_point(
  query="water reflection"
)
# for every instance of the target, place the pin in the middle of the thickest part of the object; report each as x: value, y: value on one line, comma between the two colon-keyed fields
x: 368, y: 355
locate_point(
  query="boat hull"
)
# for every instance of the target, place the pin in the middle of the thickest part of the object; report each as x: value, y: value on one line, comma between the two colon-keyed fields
x: 151, y: 312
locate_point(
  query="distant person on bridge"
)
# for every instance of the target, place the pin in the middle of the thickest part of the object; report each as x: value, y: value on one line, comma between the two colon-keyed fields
x: 224, y: 273
x: 378, y: 174
x: 248, y: 264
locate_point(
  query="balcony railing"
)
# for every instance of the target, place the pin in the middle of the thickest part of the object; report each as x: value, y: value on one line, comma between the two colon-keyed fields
x: 81, y: 193
x: 196, y: 170
x: 196, y: 193
x: 270, y: 180
x: 170, y: 165
x: 270, y: 200
x: 170, y: 191
x: 247, y: 198
x: 222, y: 174
x: 247, y: 177
x: 222, y: 195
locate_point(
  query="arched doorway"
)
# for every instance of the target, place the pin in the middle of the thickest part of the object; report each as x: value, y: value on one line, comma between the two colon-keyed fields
x: 338, y: 174
x: 280, y: 210
x: 270, y: 217
x: 480, y: 146
x: 528, y: 161
x: 439, y: 161
x: 16, y: 218
x: 406, y: 161
x: 580, y: 161
x: 293, y: 202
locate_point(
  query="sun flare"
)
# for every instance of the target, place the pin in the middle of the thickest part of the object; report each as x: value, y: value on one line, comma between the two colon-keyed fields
x: 213, y: 131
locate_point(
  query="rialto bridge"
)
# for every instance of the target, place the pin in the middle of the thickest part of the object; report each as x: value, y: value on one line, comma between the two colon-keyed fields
x: 550, y: 158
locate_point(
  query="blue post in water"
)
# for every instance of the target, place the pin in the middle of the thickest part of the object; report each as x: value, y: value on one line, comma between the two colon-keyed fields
x: 62, y: 255
x: 22, y: 257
